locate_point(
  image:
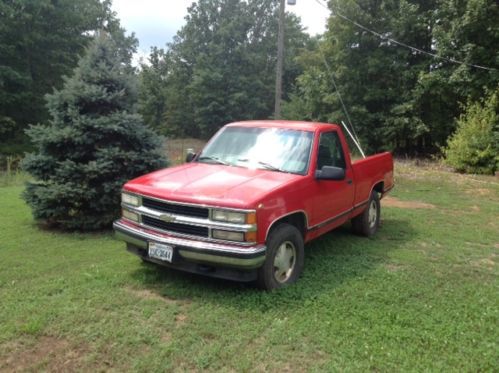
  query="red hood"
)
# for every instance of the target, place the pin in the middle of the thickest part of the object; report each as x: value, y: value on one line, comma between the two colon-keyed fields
x: 211, y: 184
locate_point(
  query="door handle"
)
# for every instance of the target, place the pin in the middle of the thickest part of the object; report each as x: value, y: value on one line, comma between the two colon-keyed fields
x: 349, y: 181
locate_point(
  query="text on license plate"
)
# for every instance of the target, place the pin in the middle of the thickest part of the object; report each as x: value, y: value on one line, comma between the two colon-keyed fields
x: 160, y: 251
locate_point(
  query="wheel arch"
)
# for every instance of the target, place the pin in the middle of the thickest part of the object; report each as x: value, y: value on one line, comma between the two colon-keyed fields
x: 379, y: 187
x: 298, y: 219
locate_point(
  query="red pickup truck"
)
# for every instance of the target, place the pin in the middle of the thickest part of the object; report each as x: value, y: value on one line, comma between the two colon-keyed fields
x: 245, y: 205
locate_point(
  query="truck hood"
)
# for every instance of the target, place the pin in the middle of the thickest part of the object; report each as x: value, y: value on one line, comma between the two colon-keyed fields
x: 211, y: 184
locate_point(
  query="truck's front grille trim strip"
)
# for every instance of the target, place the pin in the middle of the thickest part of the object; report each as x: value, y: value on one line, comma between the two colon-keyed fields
x: 198, y: 212
x: 175, y: 227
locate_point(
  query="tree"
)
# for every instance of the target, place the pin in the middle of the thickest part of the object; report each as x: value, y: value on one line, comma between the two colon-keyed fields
x: 474, y: 147
x: 222, y: 64
x: 40, y: 41
x: 93, y: 143
x: 374, y: 76
x: 466, y: 31
x: 153, y: 90
x: 400, y: 99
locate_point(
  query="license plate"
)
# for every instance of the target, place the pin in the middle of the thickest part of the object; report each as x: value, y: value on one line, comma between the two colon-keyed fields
x: 160, y: 251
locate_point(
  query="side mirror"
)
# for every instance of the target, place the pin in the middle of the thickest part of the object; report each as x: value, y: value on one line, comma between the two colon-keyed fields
x: 190, y: 156
x: 330, y: 173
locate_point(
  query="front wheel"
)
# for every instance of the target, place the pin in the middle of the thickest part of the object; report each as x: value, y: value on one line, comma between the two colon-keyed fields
x: 284, y: 262
x: 367, y: 223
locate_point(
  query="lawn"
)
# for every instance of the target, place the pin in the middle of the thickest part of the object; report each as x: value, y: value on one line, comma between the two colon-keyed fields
x: 423, y: 294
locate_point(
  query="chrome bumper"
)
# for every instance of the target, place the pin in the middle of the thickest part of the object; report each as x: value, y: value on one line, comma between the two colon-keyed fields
x: 192, y: 250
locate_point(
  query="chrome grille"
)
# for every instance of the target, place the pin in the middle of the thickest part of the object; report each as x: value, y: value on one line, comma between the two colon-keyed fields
x: 175, y: 227
x: 197, y: 212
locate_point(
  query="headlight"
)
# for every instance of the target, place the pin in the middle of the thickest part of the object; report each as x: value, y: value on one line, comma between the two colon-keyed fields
x: 130, y: 199
x: 130, y: 215
x: 234, y: 217
x: 227, y: 235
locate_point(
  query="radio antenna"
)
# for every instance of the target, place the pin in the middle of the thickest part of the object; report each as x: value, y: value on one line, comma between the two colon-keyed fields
x: 353, y: 139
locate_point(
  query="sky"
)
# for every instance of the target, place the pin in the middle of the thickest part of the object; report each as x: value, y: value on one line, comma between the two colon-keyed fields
x: 155, y: 22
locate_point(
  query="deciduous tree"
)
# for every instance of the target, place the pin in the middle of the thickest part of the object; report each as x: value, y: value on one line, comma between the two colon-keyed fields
x: 222, y: 64
x: 400, y: 99
x: 474, y: 147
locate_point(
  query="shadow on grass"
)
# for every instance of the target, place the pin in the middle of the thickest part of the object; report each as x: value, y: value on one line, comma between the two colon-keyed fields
x: 335, y: 258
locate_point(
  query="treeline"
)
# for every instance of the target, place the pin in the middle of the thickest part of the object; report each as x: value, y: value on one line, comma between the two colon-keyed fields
x: 399, y: 98
x: 220, y: 67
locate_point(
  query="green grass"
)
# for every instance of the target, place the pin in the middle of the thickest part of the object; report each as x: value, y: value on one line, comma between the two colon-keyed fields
x: 13, y: 178
x: 421, y: 295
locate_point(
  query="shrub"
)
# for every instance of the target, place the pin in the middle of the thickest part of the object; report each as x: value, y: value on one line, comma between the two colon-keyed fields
x: 93, y: 143
x: 474, y: 147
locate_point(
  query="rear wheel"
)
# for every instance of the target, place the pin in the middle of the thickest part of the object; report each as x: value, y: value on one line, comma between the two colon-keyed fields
x: 367, y: 223
x: 284, y: 261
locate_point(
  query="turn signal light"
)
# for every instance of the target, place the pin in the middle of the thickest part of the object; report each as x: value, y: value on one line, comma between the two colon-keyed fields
x: 251, y: 218
x: 250, y: 236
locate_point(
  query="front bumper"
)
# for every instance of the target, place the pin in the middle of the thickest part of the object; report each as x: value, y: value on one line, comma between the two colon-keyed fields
x: 187, y: 250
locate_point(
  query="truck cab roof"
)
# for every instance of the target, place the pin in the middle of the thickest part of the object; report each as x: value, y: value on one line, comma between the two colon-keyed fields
x: 289, y: 124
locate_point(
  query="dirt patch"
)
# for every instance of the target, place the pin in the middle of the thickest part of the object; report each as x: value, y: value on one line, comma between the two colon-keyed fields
x: 482, y: 192
x: 489, y: 262
x: 150, y: 295
x: 485, y: 263
x: 493, y: 224
x: 389, y: 201
x: 47, y: 353
x: 305, y: 361
x: 390, y: 267
x: 166, y: 338
x: 478, y: 244
x: 180, y: 318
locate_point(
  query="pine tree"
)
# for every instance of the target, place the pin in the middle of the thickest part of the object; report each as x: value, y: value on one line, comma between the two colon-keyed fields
x: 92, y: 145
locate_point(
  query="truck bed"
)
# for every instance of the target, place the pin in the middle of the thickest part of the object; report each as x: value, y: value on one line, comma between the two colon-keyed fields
x: 371, y: 171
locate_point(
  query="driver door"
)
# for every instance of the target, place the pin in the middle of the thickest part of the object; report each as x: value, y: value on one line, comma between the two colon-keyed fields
x: 333, y: 199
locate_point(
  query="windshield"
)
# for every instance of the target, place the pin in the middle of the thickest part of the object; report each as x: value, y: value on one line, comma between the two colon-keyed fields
x: 276, y: 149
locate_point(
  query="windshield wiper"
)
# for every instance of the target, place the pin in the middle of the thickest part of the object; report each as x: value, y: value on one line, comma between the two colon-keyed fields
x: 268, y: 166
x: 214, y: 159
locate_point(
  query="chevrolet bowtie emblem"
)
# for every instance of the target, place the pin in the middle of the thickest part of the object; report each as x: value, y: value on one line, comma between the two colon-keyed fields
x: 167, y: 218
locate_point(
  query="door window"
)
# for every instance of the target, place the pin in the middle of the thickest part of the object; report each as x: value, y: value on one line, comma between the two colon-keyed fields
x: 330, y: 151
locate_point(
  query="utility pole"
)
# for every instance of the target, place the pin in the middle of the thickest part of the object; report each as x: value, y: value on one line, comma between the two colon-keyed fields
x: 280, y: 57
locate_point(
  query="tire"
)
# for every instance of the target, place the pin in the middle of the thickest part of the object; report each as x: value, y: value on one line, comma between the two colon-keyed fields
x: 284, y: 262
x: 367, y: 223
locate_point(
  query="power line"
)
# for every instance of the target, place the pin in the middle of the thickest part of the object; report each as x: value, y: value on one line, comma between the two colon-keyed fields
x: 414, y: 49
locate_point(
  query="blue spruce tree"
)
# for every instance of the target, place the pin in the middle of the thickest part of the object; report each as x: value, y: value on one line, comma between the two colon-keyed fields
x: 94, y: 142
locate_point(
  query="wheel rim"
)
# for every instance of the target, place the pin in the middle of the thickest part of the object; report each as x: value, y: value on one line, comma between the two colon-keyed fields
x: 373, y: 214
x: 284, y: 261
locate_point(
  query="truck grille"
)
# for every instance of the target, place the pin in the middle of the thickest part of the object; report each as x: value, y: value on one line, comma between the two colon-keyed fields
x: 197, y: 212
x: 175, y: 227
